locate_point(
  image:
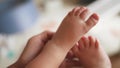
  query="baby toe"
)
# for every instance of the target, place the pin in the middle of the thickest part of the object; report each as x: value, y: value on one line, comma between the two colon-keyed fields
x: 84, y: 14
x: 96, y: 44
x: 92, y: 41
x: 80, y: 10
x: 81, y: 44
x: 86, y: 42
x: 92, y: 20
x: 75, y: 10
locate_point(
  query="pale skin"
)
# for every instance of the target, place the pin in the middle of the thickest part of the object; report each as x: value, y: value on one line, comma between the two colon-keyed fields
x: 57, y: 48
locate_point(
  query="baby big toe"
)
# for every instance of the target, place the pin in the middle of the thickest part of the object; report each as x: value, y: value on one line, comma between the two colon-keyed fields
x: 86, y: 42
x: 81, y: 44
x: 92, y: 20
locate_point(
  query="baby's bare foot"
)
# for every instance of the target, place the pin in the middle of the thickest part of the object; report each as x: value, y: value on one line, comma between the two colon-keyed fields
x: 90, y: 54
x: 74, y: 26
x: 70, y: 31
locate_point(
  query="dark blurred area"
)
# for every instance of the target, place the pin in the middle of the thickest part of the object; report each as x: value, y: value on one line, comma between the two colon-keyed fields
x: 6, y: 5
x: 79, y: 2
x: 15, y: 13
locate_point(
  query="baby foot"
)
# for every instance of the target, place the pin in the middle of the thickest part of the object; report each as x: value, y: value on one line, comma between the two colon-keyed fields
x: 70, y: 31
x: 73, y: 27
x: 90, y: 54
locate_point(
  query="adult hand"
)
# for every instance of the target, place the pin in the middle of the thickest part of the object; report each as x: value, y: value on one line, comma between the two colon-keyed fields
x: 34, y: 47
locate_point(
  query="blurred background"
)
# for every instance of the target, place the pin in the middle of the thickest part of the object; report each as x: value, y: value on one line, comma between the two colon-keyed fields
x: 21, y: 19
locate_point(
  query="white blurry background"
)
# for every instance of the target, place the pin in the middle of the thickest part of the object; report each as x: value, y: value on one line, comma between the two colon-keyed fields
x: 51, y: 13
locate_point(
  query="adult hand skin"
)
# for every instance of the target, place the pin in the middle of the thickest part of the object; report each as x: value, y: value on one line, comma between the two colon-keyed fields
x: 34, y: 47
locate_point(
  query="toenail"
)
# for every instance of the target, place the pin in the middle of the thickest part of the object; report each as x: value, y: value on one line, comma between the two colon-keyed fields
x: 94, y: 20
x: 83, y: 38
x: 95, y: 16
x: 89, y: 37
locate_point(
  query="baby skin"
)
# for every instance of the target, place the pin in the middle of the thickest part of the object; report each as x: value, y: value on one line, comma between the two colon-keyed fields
x: 72, y: 28
x: 91, y: 54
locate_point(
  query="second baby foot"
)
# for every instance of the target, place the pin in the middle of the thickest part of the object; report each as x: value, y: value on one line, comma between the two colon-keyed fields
x: 91, y: 54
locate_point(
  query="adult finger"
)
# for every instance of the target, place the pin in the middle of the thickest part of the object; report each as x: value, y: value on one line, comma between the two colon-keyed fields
x: 34, y: 46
